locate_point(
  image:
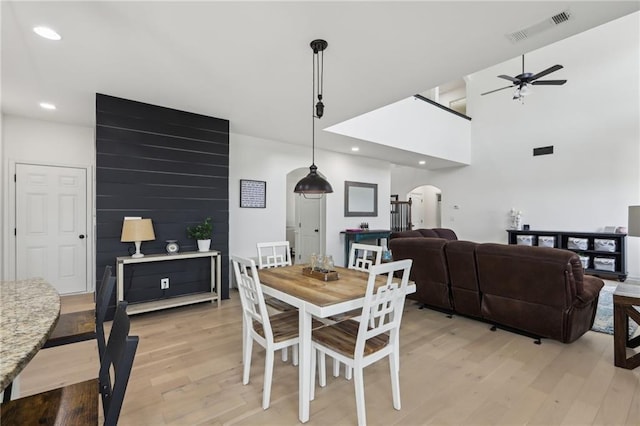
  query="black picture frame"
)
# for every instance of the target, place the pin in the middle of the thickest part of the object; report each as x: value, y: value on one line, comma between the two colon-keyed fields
x: 253, y: 194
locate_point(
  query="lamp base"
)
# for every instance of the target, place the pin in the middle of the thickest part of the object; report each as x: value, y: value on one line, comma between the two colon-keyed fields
x: 137, y: 254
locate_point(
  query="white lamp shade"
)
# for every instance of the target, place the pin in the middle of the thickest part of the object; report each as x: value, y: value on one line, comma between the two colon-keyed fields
x: 634, y: 221
x: 137, y: 230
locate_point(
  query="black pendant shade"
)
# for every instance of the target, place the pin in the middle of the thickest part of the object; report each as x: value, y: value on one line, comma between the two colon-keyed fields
x: 313, y: 183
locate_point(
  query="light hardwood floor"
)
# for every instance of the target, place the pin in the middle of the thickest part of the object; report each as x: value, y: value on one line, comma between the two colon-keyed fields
x: 454, y: 371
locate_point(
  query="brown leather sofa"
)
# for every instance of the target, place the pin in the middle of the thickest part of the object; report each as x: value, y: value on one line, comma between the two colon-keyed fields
x: 536, y: 290
x: 447, y: 234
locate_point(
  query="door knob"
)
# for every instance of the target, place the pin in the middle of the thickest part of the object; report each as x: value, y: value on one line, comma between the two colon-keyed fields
x: 81, y: 236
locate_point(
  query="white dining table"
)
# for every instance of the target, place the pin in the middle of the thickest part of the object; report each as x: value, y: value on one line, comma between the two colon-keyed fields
x: 315, y: 298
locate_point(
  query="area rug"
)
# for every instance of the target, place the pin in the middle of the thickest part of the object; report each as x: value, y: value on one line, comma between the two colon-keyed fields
x: 604, y: 313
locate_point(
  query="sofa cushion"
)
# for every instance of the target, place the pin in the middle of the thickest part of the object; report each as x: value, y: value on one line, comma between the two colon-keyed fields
x: 429, y: 269
x: 428, y: 233
x: 405, y: 234
x: 447, y: 234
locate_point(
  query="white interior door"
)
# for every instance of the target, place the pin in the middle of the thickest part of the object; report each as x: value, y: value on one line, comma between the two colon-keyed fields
x: 417, y: 209
x: 310, y: 230
x: 51, y: 226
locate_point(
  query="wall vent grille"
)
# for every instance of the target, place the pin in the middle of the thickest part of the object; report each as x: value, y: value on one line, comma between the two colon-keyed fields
x: 535, y: 29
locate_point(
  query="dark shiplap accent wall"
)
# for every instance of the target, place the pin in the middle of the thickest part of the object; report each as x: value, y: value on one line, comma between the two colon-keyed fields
x: 168, y: 165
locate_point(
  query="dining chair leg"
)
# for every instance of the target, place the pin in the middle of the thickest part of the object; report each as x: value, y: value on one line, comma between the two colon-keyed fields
x: 348, y: 372
x: 248, y: 347
x: 358, y: 382
x: 322, y: 370
x: 285, y: 355
x: 268, y: 375
x: 312, y: 386
x: 336, y: 367
x: 395, y: 380
x: 294, y: 355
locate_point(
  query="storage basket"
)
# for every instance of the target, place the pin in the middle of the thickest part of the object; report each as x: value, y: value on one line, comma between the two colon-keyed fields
x: 604, y: 245
x: 584, y: 260
x: 604, y: 263
x: 546, y: 241
x: 574, y: 243
x: 524, y: 240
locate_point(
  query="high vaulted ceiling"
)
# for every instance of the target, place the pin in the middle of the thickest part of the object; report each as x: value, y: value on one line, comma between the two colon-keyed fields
x: 250, y: 62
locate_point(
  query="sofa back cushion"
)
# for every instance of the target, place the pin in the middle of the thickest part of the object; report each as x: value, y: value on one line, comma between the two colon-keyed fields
x: 429, y: 269
x: 428, y: 233
x: 447, y: 234
x: 405, y: 234
x: 533, y: 274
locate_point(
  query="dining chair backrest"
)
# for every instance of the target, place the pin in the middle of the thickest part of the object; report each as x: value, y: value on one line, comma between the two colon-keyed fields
x: 383, y: 307
x: 254, y: 308
x: 274, y: 254
x: 117, y: 358
x: 359, y: 256
x: 104, y: 294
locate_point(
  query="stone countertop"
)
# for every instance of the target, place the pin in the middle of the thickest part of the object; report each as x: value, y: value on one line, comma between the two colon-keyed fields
x: 29, y: 310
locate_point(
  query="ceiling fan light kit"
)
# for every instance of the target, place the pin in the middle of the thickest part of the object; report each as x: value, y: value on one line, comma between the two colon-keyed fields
x: 313, y: 183
x: 523, y: 82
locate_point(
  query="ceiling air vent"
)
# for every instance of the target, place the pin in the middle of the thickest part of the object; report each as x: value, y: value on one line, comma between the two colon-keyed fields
x: 535, y: 29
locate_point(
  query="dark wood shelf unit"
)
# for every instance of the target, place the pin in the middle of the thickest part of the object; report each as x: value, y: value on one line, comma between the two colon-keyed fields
x: 562, y: 239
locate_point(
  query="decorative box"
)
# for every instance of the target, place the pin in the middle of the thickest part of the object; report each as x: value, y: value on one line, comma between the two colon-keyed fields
x: 546, y: 241
x: 604, y: 245
x: 604, y: 263
x: 574, y: 243
x: 584, y: 260
x: 320, y: 275
x: 524, y: 240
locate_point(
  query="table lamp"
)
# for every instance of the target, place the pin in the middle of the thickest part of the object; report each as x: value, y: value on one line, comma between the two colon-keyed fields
x: 136, y: 231
x: 633, y: 229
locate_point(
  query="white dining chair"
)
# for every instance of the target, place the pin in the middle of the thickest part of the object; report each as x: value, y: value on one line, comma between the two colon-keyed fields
x: 375, y: 336
x: 361, y: 257
x: 272, y: 333
x: 273, y: 255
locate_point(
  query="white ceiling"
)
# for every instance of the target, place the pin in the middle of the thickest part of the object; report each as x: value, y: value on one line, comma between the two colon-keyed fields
x: 250, y: 62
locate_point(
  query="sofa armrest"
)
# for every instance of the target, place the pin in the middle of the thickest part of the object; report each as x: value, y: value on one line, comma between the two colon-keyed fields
x: 591, y: 289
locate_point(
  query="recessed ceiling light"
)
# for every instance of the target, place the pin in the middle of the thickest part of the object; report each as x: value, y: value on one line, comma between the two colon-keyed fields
x: 47, y: 33
x: 355, y: 148
x: 422, y: 162
x: 47, y: 105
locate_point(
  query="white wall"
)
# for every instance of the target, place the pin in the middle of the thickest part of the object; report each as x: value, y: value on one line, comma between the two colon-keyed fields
x: 260, y: 159
x: 413, y: 125
x: 593, y: 122
x: 41, y: 142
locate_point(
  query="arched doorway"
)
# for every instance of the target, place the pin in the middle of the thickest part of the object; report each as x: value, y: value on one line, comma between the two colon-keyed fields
x: 305, y: 220
x: 426, y: 207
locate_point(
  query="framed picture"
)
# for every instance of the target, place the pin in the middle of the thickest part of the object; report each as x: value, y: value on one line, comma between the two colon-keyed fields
x: 253, y: 193
x: 360, y: 199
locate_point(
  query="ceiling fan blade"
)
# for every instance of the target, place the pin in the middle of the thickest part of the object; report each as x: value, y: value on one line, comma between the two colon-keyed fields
x: 506, y: 77
x: 550, y: 82
x: 545, y: 72
x: 497, y: 90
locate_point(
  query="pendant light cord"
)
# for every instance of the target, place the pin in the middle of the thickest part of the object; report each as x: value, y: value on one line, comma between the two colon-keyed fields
x: 313, y: 113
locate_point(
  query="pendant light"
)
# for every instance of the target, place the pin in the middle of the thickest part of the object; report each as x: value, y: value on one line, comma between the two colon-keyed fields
x: 313, y: 183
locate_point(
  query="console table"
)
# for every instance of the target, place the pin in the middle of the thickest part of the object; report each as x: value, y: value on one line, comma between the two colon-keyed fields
x: 625, y: 297
x: 357, y: 236
x: 154, y: 305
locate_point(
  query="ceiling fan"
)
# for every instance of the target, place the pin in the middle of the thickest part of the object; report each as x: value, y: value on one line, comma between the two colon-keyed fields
x: 522, y: 82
